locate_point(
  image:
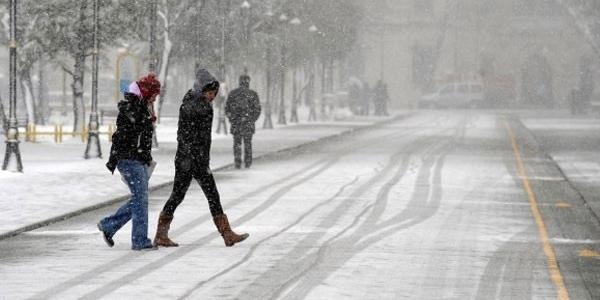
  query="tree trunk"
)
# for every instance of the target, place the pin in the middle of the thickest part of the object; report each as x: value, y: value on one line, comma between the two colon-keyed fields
x: 77, y: 88
x: 27, y: 89
x: 165, y: 60
x: 3, y: 117
x: 163, y: 79
x: 79, y: 71
x: 42, y: 106
x: 330, y: 77
x: 323, y: 78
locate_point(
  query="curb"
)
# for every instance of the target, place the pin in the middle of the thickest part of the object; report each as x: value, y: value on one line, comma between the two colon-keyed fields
x: 585, y: 201
x: 267, y: 155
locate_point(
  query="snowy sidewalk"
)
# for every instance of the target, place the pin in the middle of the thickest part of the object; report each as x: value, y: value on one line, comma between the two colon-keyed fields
x: 573, y: 143
x: 57, y: 182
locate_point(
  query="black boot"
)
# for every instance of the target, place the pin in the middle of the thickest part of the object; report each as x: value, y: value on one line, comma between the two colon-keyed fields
x: 107, y: 239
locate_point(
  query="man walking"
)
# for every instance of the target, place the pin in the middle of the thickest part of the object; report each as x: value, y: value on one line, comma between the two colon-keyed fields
x: 242, y: 109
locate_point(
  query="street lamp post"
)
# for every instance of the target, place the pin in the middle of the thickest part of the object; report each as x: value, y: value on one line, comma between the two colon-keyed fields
x: 283, y: 19
x: 294, y: 114
x: 93, y: 125
x: 12, y: 136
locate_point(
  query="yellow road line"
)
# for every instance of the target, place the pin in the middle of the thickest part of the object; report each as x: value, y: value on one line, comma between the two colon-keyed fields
x: 553, y: 268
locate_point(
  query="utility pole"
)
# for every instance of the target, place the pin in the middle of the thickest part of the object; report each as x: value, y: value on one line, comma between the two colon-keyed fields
x: 12, y: 136
x: 93, y: 134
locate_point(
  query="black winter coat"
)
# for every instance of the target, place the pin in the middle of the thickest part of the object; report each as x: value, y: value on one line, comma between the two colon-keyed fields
x: 242, y: 109
x: 133, y: 138
x: 194, y: 130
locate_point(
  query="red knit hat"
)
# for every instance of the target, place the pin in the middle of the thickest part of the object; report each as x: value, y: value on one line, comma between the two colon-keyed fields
x: 149, y: 85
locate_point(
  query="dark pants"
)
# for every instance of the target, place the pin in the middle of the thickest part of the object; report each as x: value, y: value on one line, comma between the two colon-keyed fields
x: 237, y: 149
x: 184, y: 172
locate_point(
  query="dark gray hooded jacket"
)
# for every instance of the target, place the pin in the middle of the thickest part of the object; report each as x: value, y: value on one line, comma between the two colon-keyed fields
x: 195, y: 122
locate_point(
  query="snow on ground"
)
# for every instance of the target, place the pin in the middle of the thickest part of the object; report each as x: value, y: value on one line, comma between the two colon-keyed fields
x: 579, y: 160
x: 57, y: 180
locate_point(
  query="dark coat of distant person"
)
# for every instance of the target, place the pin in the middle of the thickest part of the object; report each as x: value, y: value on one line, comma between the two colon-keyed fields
x: 242, y: 109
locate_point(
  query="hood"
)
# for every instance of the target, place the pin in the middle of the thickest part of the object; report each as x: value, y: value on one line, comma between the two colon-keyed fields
x: 134, y: 89
x: 203, y: 78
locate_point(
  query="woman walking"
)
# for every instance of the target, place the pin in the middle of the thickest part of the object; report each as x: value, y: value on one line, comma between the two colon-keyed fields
x: 193, y: 158
x: 131, y: 155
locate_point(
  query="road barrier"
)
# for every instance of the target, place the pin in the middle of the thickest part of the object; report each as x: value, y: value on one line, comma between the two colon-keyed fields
x: 31, y: 133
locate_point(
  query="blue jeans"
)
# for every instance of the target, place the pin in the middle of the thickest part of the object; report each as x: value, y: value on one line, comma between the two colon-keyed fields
x: 136, y: 209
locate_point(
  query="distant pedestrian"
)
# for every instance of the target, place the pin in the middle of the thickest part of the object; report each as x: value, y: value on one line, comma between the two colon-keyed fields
x: 242, y: 109
x: 355, y: 97
x: 381, y: 99
x: 386, y: 100
x: 193, y: 158
x: 575, y: 101
x: 366, y: 98
x: 131, y: 155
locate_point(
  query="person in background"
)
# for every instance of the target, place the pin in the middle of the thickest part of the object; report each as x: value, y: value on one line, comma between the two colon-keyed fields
x: 193, y: 158
x: 386, y: 100
x: 130, y: 153
x: 242, y: 109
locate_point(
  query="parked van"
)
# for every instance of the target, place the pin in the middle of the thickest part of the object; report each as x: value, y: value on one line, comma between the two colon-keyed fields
x: 454, y: 95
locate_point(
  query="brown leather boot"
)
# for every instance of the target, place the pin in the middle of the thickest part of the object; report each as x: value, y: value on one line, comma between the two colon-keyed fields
x: 228, y: 235
x: 162, y: 231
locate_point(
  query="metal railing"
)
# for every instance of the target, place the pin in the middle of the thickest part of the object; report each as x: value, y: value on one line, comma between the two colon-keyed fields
x: 31, y: 133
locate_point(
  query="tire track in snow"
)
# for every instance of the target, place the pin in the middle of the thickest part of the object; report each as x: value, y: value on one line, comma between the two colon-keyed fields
x: 344, y: 205
x: 109, y: 266
x: 247, y: 257
x: 312, y: 275
x: 297, y: 255
x: 326, y: 163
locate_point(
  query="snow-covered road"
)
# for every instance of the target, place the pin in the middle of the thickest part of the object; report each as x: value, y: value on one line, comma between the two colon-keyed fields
x: 437, y: 205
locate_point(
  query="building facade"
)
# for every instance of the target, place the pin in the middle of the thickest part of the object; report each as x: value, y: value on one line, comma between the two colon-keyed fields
x: 532, y: 46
